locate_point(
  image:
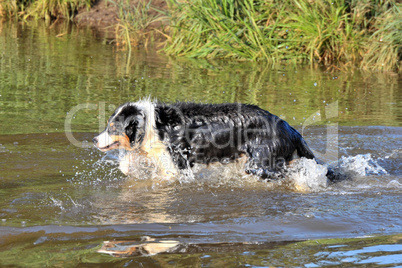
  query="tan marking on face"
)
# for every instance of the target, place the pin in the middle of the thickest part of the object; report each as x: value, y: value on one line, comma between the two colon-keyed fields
x: 124, y: 141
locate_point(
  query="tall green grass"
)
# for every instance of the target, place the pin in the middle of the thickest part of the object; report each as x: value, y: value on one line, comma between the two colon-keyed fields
x: 57, y: 8
x: 336, y: 33
x: 384, y: 47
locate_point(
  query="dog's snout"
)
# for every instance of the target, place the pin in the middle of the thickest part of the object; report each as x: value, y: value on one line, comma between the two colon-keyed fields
x: 95, y: 140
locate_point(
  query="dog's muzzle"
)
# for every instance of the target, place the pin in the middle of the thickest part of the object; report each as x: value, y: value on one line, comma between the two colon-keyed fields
x: 105, y: 142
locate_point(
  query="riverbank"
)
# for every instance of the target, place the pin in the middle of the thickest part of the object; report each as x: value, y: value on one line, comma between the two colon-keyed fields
x: 339, y: 35
x: 132, y: 23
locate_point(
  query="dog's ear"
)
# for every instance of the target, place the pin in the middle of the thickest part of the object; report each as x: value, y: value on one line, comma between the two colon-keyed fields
x: 135, y: 128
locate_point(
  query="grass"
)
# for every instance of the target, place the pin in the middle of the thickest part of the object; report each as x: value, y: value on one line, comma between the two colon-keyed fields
x: 12, y: 8
x: 384, y: 49
x: 137, y: 23
x: 42, y: 9
x: 56, y: 8
x: 337, y: 34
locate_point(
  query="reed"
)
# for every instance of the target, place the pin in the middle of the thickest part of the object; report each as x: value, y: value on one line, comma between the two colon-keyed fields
x: 137, y: 23
x: 56, y: 8
x: 42, y: 9
x: 337, y: 34
x: 11, y: 8
x: 384, y: 46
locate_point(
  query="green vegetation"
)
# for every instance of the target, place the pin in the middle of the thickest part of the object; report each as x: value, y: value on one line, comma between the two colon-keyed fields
x: 138, y: 22
x: 42, y: 9
x: 57, y: 8
x: 339, y: 34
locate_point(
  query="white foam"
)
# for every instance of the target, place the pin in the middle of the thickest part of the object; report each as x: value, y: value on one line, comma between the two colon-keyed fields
x: 394, y: 184
x: 360, y: 165
x: 304, y: 176
x: 307, y: 175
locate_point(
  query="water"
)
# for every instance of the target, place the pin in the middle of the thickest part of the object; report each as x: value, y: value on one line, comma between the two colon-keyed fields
x: 63, y: 203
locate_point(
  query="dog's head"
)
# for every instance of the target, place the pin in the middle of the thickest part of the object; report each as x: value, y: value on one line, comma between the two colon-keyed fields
x: 125, y: 129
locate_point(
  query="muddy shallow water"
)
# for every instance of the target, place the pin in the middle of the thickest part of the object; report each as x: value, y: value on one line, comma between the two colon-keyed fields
x: 64, y: 203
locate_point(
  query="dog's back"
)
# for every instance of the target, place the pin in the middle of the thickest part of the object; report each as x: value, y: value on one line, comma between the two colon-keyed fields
x: 207, y: 133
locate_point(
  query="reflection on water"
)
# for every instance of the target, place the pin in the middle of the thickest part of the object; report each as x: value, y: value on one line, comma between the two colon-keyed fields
x: 43, y: 77
x: 67, y: 201
x: 139, y: 250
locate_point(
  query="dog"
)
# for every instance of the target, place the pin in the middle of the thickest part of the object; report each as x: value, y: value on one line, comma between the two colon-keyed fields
x: 177, y: 136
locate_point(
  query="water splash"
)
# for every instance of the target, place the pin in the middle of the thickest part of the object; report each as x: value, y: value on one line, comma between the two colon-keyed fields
x: 394, y: 184
x: 98, y: 172
x: 307, y: 175
x: 360, y: 165
x: 58, y: 203
x: 62, y: 201
x: 304, y: 176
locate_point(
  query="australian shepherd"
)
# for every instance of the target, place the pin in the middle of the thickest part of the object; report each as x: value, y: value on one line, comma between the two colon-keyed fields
x: 177, y: 136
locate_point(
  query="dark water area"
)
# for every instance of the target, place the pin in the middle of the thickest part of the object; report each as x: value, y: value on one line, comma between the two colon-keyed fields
x: 63, y: 203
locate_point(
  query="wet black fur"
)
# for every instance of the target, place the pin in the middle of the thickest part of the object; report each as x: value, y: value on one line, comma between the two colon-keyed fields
x: 205, y: 133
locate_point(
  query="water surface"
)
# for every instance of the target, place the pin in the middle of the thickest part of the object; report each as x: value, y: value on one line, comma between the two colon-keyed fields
x: 61, y: 200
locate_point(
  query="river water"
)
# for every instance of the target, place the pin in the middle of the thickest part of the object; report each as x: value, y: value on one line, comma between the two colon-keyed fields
x: 63, y: 203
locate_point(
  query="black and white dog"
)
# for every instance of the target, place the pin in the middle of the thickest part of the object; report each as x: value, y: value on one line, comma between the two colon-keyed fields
x: 178, y: 135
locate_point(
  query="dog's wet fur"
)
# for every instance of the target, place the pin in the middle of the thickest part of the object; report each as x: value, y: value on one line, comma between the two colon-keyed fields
x: 181, y: 134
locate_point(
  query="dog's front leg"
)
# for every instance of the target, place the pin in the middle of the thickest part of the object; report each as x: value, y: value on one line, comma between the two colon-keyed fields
x: 264, y: 173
